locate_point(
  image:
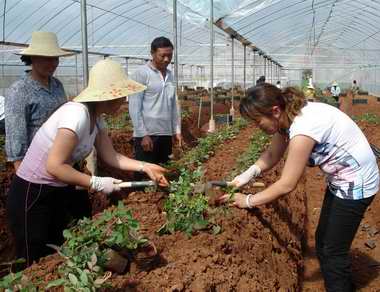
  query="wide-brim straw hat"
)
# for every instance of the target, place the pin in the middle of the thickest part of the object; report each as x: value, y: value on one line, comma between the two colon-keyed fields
x: 334, y: 83
x: 108, y: 81
x: 44, y: 44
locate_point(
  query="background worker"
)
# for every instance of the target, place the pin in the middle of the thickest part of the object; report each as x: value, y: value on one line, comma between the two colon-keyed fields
x: 260, y: 80
x: 155, y: 112
x: 335, y: 90
x: 38, y: 200
x: 334, y: 143
x: 355, y: 88
x: 30, y: 100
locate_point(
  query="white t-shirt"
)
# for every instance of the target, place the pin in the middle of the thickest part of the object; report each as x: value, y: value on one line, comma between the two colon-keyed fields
x: 341, y: 150
x: 71, y: 115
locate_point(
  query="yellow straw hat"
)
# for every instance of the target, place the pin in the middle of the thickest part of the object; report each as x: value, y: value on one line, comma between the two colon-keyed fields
x: 44, y: 44
x: 334, y: 83
x: 108, y: 81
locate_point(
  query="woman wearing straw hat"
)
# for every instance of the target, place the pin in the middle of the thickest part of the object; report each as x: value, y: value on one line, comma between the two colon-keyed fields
x: 39, y: 193
x: 30, y: 100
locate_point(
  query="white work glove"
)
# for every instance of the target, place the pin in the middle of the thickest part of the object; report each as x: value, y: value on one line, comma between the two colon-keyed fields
x: 246, y: 176
x: 105, y: 185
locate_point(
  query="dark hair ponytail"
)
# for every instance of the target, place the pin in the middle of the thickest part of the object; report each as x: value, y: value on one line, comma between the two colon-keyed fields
x: 262, y: 98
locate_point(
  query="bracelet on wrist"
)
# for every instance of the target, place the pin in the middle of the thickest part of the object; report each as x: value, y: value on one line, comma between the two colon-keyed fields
x: 90, y: 186
x: 247, y: 198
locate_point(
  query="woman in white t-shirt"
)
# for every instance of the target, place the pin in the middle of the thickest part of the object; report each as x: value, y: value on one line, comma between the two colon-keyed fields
x: 41, y: 192
x: 314, y: 134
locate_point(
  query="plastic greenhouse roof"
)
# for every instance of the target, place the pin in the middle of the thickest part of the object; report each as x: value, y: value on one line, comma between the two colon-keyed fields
x: 295, y: 33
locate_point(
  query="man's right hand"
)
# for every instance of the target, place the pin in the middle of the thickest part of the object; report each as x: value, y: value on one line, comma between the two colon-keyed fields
x: 147, y: 144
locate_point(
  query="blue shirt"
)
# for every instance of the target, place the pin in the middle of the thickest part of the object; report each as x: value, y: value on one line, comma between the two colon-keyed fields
x: 154, y: 111
x: 28, y: 104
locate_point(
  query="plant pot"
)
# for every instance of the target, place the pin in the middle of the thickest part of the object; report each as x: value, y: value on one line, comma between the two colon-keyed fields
x: 115, y: 262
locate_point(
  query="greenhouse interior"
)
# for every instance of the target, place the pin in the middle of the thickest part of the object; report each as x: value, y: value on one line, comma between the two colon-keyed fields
x: 262, y: 89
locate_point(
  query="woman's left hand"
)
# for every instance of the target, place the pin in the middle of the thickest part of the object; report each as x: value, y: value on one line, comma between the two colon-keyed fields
x: 156, y: 173
x: 238, y: 200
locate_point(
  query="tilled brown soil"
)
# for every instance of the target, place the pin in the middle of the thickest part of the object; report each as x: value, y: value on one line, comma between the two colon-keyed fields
x: 258, y: 250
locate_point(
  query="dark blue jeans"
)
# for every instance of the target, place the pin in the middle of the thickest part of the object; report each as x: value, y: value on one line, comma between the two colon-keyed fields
x: 2, y: 127
x: 338, y: 224
x: 162, y: 148
x: 38, y: 214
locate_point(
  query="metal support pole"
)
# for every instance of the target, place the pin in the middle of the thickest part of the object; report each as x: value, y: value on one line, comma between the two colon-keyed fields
x: 204, y: 76
x: 245, y: 67
x: 232, y: 110
x: 254, y: 69
x: 271, y: 72
x: 198, y: 76
x: 265, y: 67
x: 212, y: 121
x: 175, y: 36
x: 126, y: 66
x: 84, y: 42
x: 76, y: 74
x: 175, y: 33
x: 191, y: 74
x: 276, y: 72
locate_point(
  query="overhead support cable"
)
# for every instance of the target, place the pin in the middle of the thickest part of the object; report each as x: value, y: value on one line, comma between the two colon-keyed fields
x: 54, y: 16
x: 234, y: 34
x: 323, y: 27
x: 128, y: 18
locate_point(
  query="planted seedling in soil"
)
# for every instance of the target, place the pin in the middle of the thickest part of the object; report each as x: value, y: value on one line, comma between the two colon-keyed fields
x: 186, y: 211
x: 88, y: 245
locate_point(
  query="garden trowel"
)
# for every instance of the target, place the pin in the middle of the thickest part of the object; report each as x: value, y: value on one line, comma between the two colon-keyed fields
x: 137, y: 184
x: 205, y: 188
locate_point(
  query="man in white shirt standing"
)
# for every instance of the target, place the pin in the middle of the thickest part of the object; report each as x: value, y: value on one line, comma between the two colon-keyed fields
x: 155, y: 112
x: 335, y: 90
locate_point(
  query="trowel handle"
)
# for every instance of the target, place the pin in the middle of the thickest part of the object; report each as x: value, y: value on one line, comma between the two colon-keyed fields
x: 137, y: 184
x: 258, y: 184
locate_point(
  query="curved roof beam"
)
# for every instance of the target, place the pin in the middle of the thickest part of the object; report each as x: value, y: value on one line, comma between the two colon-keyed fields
x: 28, y: 16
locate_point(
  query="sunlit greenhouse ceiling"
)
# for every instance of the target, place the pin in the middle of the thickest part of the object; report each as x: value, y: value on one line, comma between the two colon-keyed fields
x: 334, y: 38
